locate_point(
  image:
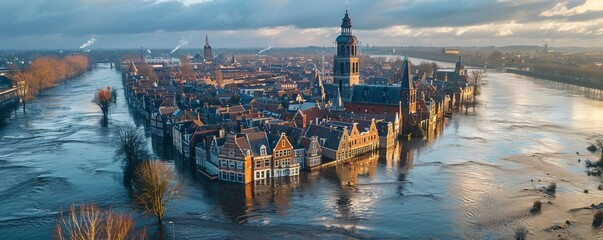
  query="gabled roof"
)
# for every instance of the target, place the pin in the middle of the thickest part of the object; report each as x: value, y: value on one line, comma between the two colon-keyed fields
x: 331, y: 136
x: 167, y: 110
x: 256, y: 140
x: 294, y: 134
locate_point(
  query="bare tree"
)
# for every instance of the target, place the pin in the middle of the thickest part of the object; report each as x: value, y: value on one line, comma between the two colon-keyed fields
x: 104, y: 99
x: 156, y: 185
x: 476, y: 77
x: 131, y: 150
x: 24, y: 81
x: 89, y: 222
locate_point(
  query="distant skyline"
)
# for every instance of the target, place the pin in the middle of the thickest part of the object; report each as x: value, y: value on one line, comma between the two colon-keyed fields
x: 68, y: 24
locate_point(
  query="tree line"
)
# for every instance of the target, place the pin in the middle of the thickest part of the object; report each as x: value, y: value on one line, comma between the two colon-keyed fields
x: 46, y: 72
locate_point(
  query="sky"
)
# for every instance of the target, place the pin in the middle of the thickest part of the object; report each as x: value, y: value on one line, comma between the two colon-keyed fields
x: 68, y: 24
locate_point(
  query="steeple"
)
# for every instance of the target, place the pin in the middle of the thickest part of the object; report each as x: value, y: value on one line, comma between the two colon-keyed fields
x: 459, y: 63
x: 346, y: 24
x: 459, y: 68
x: 318, y: 90
x: 406, y: 82
x: 133, y: 70
x: 408, y: 98
x: 317, y: 78
x: 207, y: 53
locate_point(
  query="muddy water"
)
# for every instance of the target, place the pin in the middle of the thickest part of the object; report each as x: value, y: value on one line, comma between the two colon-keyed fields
x: 472, y: 180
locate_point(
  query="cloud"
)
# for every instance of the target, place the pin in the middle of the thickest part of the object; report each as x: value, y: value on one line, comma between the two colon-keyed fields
x: 248, y: 23
x: 561, y: 9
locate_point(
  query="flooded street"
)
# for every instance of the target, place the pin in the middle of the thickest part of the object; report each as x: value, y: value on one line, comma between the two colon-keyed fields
x: 472, y: 180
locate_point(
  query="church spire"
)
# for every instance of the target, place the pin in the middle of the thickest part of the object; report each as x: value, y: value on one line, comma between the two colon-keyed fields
x: 346, y: 24
x: 406, y: 82
x: 206, y: 40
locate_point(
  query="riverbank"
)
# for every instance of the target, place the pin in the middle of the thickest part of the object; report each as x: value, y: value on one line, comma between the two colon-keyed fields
x: 557, y: 78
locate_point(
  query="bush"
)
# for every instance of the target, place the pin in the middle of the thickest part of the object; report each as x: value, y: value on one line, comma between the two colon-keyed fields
x: 521, y: 233
x: 591, y: 164
x: 598, y: 219
x: 551, y: 188
x: 592, y: 148
x: 536, y: 207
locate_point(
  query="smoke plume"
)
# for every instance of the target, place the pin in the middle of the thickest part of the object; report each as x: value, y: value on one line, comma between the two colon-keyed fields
x: 265, y: 49
x: 88, y: 43
x: 181, y: 43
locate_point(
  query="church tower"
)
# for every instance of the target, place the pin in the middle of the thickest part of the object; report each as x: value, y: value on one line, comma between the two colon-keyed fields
x: 346, y: 71
x: 207, y: 54
x: 318, y: 90
x: 408, y: 98
x: 459, y: 68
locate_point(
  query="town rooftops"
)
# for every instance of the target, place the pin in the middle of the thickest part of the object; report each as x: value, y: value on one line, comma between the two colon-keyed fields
x: 376, y: 94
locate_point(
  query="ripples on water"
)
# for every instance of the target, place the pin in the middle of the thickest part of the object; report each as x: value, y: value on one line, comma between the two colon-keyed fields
x: 467, y: 182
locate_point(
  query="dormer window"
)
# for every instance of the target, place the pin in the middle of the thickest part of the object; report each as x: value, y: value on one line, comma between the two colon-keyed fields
x: 263, y: 150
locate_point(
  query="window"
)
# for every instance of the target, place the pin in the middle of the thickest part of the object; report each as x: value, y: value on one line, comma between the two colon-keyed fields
x: 267, y: 173
x: 266, y: 162
x: 263, y: 174
x: 231, y: 164
x: 257, y: 175
x: 258, y: 163
x: 283, y: 143
x: 223, y: 163
x: 232, y: 177
x: 240, y: 165
x: 224, y: 176
x: 239, y: 177
x: 263, y: 150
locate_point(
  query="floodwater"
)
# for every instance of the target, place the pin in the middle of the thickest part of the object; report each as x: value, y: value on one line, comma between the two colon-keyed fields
x: 471, y: 180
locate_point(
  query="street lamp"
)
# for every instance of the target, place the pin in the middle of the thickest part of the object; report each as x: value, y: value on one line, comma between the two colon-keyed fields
x: 173, y: 230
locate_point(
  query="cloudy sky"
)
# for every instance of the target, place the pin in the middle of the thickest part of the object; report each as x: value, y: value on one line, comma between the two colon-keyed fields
x: 67, y: 24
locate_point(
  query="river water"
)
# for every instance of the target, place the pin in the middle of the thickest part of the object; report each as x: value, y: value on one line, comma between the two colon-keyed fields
x: 471, y: 180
